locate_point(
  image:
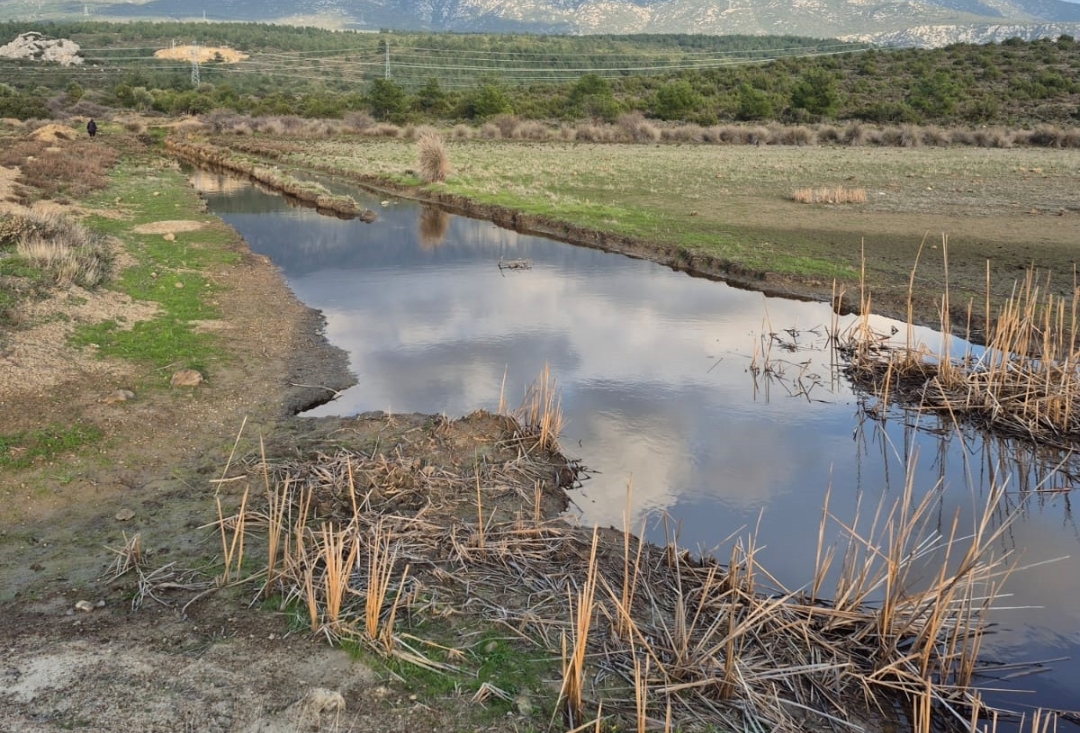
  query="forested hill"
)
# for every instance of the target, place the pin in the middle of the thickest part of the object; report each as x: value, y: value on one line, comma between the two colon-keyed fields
x: 413, y: 78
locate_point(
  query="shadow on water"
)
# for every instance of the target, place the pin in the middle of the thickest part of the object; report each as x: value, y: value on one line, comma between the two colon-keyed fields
x: 725, y: 409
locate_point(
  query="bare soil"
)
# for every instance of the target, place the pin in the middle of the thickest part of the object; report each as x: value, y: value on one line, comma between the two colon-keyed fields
x: 204, y: 53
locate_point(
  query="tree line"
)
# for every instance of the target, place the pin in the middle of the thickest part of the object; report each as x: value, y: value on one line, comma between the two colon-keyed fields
x: 700, y: 79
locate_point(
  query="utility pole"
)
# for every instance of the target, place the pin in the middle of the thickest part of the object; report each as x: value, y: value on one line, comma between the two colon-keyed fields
x: 387, y: 59
x: 195, y: 65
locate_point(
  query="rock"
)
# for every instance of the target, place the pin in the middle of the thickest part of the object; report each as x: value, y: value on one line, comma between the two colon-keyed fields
x: 119, y: 395
x: 178, y: 284
x: 186, y: 378
x: 169, y: 237
x: 33, y: 46
x: 124, y: 515
x: 84, y: 606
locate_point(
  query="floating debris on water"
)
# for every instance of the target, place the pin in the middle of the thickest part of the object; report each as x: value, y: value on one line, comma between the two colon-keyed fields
x: 515, y: 264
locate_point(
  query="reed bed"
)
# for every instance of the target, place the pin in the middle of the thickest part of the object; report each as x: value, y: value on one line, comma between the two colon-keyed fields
x: 648, y: 636
x: 1024, y: 383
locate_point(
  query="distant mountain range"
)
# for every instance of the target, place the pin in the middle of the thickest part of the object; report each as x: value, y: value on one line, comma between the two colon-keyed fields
x: 902, y: 22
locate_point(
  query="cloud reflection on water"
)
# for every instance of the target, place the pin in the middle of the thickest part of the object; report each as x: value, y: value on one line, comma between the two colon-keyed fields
x: 653, y: 369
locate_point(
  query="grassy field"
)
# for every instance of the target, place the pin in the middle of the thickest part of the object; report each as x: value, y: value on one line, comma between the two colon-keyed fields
x: 1013, y: 208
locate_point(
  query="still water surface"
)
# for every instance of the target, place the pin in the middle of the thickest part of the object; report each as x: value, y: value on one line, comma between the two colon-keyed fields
x: 654, y: 369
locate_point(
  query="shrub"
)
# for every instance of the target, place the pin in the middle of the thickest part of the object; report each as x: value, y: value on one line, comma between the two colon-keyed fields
x: 434, y: 161
x: 507, y: 124
x: 637, y: 128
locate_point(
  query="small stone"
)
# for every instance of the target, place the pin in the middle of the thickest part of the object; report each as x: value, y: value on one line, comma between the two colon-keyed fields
x: 178, y: 284
x: 186, y: 378
x: 524, y: 705
x: 84, y: 606
x: 169, y: 237
x: 100, y: 604
x: 384, y: 203
x: 157, y: 193
x: 124, y: 515
x: 119, y: 395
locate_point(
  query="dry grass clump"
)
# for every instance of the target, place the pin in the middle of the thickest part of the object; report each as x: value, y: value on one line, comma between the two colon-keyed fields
x: 384, y: 129
x: 791, y: 135
x: 683, y: 134
x: 508, y: 125
x: 75, y: 168
x: 827, y: 195
x: 637, y: 128
x: 1024, y: 383
x: 358, y: 121
x: 69, y: 252
x: 434, y: 160
x: 532, y: 130
x: 854, y: 134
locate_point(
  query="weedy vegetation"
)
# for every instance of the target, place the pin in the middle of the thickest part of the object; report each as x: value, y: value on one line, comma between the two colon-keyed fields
x: 1023, y: 382
x: 381, y: 551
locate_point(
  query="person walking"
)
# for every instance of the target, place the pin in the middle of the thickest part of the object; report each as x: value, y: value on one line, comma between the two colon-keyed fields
x: 91, y: 127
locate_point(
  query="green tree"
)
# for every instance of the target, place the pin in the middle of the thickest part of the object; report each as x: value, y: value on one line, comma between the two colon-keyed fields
x: 675, y: 100
x: 487, y: 100
x: 754, y: 104
x: 935, y: 94
x: 74, y: 92
x: 431, y: 99
x: 387, y: 100
x: 591, y: 96
x: 816, y: 92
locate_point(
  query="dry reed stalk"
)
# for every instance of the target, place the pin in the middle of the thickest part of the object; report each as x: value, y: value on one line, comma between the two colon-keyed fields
x: 380, y: 569
x: 338, y: 554
x: 641, y: 692
x: 573, y: 664
x: 128, y: 556
x: 479, y: 513
x: 630, y: 578
x: 277, y: 500
x: 234, y: 546
x: 540, y: 412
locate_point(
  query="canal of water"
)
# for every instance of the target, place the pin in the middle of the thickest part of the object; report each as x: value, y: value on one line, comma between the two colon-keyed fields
x: 721, y: 407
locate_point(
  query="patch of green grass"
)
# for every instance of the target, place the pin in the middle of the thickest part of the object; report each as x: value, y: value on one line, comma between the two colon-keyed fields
x: 169, y: 273
x: 23, y: 449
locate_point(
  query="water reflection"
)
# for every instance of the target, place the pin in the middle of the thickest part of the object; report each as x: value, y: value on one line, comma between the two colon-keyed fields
x: 433, y: 225
x: 721, y: 406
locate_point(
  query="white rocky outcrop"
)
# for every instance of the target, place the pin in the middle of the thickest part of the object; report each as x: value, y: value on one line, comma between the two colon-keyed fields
x: 34, y: 46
